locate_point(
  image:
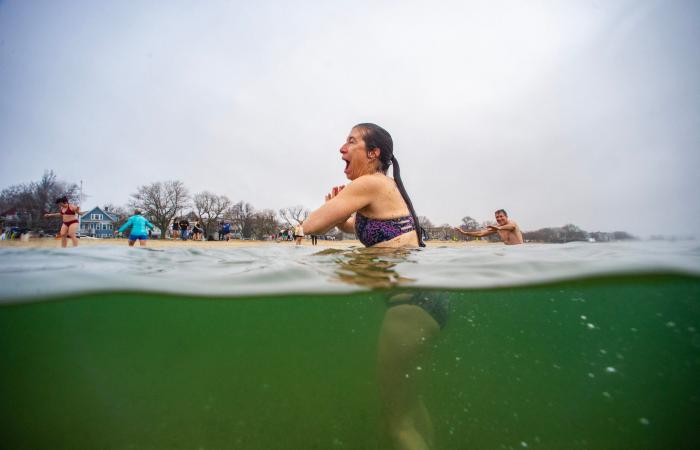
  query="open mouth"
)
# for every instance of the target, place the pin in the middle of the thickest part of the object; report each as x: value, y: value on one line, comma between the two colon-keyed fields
x: 347, y: 165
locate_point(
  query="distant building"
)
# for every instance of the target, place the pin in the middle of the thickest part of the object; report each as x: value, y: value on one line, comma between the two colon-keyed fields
x: 97, y: 223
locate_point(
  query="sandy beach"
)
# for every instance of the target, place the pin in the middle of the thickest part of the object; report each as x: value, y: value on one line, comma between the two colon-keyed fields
x: 168, y: 243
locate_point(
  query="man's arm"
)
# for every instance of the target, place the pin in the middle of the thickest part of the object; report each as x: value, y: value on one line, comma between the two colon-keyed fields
x: 480, y: 233
x: 510, y: 226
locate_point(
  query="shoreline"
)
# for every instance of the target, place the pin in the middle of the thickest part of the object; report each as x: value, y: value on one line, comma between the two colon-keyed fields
x: 48, y: 242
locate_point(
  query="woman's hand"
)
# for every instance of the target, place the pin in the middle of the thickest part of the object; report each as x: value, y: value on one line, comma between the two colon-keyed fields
x: 334, y: 192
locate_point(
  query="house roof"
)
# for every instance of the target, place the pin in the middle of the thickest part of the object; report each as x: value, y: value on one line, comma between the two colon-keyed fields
x: 98, y: 210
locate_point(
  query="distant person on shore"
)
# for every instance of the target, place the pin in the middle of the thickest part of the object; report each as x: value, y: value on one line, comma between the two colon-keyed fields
x: 184, y: 225
x: 197, y: 231
x: 508, y: 230
x: 224, y: 231
x: 70, y: 214
x: 140, y: 227
x: 174, y: 230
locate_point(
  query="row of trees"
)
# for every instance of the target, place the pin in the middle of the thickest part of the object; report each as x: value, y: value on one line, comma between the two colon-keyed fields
x: 28, y: 202
x: 166, y: 201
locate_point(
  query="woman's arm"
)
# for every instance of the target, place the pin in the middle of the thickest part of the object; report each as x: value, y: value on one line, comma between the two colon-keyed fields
x: 337, y: 211
x: 126, y: 225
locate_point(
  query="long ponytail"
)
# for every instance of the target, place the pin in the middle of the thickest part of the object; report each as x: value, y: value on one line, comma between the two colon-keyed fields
x: 407, y: 199
x: 377, y: 137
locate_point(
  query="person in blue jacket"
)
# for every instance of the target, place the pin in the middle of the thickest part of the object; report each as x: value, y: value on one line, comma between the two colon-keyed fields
x: 139, y: 226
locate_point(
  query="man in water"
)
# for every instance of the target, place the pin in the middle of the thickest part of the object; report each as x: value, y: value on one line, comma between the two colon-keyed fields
x: 508, y: 230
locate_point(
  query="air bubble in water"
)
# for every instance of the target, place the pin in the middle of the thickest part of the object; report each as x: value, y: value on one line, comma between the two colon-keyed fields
x: 610, y: 369
x: 644, y: 421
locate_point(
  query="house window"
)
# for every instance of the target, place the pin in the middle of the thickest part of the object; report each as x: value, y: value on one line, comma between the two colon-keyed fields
x: 96, y: 216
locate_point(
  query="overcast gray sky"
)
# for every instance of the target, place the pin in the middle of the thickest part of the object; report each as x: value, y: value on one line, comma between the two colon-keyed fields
x: 584, y: 112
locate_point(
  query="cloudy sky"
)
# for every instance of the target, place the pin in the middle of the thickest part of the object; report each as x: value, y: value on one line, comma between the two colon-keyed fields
x: 584, y: 112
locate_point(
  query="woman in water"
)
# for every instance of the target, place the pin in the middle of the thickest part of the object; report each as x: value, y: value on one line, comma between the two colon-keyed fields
x: 378, y: 210
x: 70, y: 214
x: 373, y: 206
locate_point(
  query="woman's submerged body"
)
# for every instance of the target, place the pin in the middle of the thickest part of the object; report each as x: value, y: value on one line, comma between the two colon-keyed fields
x: 378, y: 209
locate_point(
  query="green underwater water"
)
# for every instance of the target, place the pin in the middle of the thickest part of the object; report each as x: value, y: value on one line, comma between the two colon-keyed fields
x: 607, y: 363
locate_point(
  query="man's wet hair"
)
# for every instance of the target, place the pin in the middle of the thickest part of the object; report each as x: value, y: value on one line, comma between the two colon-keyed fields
x: 501, y: 211
x: 377, y: 137
x: 63, y: 199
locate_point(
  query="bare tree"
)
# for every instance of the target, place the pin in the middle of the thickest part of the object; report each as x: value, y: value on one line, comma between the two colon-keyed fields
x: 160, y: 202
x: 294, y: 215
x: 469, y: 224
x: 425, y: 222
x: 209, y: 209
x: 241, y: 217
x: 117, y: 211
x: 264, y: 224
x: 32, y: 200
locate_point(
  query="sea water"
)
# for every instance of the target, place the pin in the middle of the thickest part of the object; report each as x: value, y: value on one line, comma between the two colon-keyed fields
x: 575, y: 346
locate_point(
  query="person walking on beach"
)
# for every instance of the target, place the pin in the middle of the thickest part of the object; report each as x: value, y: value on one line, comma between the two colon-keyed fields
x: 197, y: 231
x: 140, y: 227
x: 378, y: 210
x: 508, y: 230
x: 184, y: 225
x: 70, y: 214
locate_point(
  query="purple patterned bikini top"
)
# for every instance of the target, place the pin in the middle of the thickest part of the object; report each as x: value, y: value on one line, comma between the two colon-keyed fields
x: 373, y: 231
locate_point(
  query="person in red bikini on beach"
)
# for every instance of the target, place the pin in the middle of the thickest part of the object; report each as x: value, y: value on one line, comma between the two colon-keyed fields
x: 69, y: 213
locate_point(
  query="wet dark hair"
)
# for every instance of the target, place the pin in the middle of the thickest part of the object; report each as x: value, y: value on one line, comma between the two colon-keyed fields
x: 63, y: 199
x: 501, y: 211
x: 377, y: 137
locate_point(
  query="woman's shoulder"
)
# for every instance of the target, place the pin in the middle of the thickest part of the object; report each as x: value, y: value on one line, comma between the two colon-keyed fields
x: 373, y: 181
